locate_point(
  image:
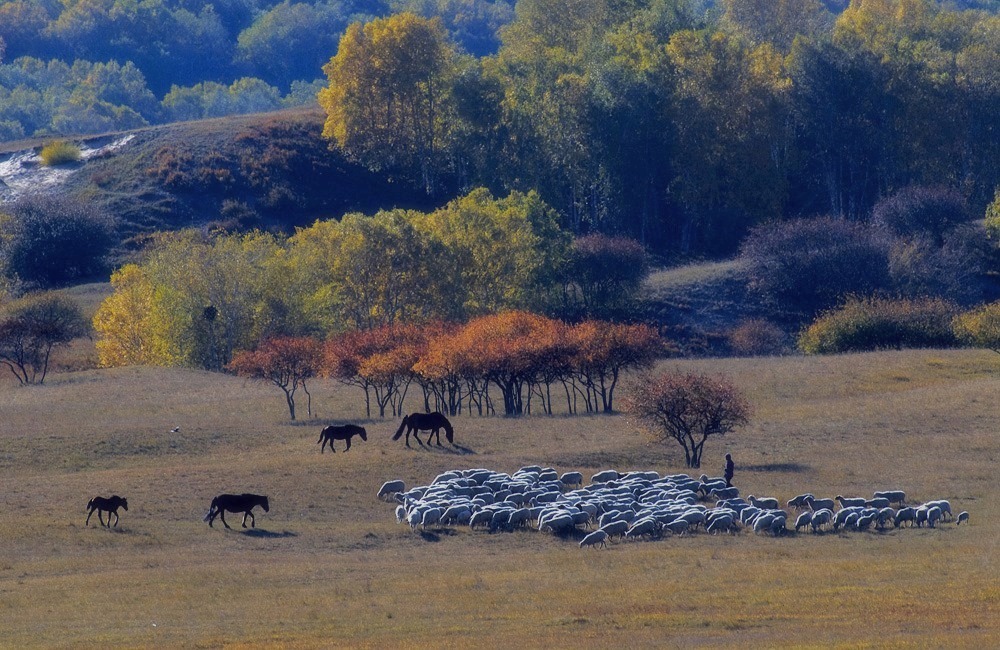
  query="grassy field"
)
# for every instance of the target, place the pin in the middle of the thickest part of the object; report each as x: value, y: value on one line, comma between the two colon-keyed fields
x: 328, y: 566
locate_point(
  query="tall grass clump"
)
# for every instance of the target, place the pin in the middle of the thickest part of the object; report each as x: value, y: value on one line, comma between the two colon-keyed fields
x: 980, y: 327
x: 60, y: 152
x: 873, y: 323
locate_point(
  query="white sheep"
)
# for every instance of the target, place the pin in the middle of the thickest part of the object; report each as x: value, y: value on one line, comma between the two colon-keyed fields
x: 605, y: 476
x: 962, y: 516
x: 595, y: 538
x: 904, y: 515
x: 803, y: 520
x: 942, y: 505
x: 764, y: 502
x: 390, y: 488
x: 933, y: 516
x: 847, y: 502
x: 618, y: 527
x: 877, y: 502
x: 894, y: 496
x: 821, y: 517
x: 572, y: 478
x: 799, y: 501
x: 642, y: 527
x: 820, y: 504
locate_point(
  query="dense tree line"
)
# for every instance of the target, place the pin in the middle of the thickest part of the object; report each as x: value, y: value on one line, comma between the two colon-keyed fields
x: 682, y: 123
x: 89, y: 66
x: 512, y: 363
x: 196, y: 299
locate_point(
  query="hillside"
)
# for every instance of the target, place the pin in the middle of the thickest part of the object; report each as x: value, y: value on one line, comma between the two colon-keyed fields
x: 269, y: 170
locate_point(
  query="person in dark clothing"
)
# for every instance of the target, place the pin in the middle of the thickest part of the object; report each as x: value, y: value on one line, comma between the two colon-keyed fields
x: 730, y: 466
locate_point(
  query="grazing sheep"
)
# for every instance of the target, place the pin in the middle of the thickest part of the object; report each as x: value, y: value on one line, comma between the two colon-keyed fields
x: 962, y: 516
x: 803, y: 520
x: 778, y: 526
x: 605, y: 476
x: 572, y: 478
x: 726, y: 493
x: 821, y: 517
x: 942, y: 505
x: 480, y: 517
x: 720, y: 524
x: 618, y: 527
x: 400, y: 514
x: 884, y: 516
x: 904, y: 515
x: 799, y: 501
x: 877, y: 502
x: 390, y: 488
x: 933, y: 516
x: 894, y: 496
x: 642, y: 527
x: 431, y: 517
x: 595, y: 538
x: 920, y: 516
x: 820, y: 504
x: 765, y: 503
x: 848, y: 502
x: 677, y: 527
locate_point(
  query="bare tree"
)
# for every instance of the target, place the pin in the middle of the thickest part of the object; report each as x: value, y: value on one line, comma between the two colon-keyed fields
x: 31, y: 327
x: 687, y: 408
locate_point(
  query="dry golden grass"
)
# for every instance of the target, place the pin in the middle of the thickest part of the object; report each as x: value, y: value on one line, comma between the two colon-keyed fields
x: 329, y: 567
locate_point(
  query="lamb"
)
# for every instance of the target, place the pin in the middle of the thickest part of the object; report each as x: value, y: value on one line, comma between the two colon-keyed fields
x: 962, y: 516
x: 390, y: 488
x: 765, y: 503
x: 595, y: 538
x: 847, y: 502
x: 894, y: 496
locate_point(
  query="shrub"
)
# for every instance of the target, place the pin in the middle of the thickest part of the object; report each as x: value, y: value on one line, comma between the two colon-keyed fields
x: 920, y: 210
x: 60, y: 152
x: 604, y: 273
x: 756, y: 337
x: 812, y: 264
x: 50, y: 241
x: 878, y: 323
x: 980, y: 327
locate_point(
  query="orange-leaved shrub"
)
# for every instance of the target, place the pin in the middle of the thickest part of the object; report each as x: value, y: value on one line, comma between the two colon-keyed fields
x: 873, y: 323
x: 756, y: 337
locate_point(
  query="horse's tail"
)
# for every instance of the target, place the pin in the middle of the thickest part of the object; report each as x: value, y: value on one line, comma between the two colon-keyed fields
x: 211, y: 509
x: 402, y: 427
x: 321, y: 434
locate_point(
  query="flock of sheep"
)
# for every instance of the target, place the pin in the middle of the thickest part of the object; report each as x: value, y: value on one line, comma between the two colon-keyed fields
x: 638, y: 504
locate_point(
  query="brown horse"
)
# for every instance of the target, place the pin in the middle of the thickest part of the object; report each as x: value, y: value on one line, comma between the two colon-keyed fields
x: 343, y: 432
x: 244, y: 503
x: 432, y: 422
x: 110, y: 506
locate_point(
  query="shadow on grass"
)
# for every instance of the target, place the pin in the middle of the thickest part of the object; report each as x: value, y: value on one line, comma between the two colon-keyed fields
x: 436, y: 534
x: 796, y: 468
x: 268, y: 534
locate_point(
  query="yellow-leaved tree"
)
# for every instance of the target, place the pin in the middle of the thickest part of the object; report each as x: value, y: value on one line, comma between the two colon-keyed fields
x: 129, y: 324
x: 388, y: 104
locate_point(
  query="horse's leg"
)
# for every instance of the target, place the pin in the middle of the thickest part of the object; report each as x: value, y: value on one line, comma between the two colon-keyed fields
x: 253, y: 520
x: 100, y: 519
x: 437, y: 433
x: 116, y: 518
x: 88, y: 516
x: 416, y: 434
x: 348, y: 443
x: 323, y: 447
x: 407, y: 437
x: 222, y: 515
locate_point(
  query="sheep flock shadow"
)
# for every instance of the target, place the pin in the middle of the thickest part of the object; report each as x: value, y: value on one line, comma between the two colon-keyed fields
x: 795, y: 468
x: 268, y: 534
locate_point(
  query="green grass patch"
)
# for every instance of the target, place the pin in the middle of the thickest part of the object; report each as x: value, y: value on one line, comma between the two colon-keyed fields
x: 60, y: 152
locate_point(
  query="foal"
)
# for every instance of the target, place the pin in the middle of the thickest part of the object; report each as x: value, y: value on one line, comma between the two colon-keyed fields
x: 344, y: 432
x: 110, y: 506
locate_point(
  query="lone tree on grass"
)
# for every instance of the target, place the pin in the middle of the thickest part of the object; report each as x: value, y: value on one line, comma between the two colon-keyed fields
x: 31, y: 327
x: 687, y: 408
x: 287, y: 362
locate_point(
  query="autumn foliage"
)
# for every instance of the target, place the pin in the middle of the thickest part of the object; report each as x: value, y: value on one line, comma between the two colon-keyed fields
x: 287, y: 362
x: 688, y: 408
x: 517, y: 354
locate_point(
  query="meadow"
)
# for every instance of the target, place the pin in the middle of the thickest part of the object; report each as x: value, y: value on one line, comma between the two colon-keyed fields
x: 329, y: 567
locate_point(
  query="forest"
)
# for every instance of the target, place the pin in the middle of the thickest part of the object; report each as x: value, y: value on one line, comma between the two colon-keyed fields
x: 681, y: 123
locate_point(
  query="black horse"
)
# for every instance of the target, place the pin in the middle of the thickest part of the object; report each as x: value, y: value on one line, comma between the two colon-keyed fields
x: 110, y: 506
x: 343, y: 432
x: 432, y: 422
x: 244, y: 503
